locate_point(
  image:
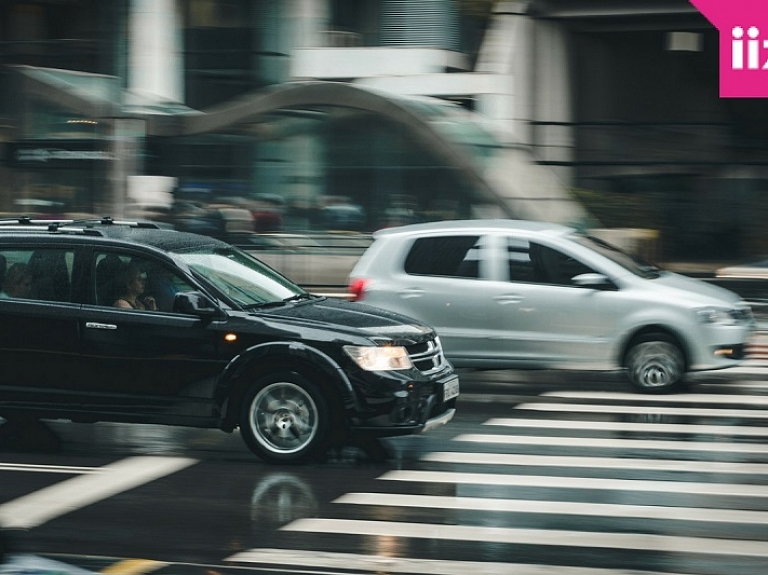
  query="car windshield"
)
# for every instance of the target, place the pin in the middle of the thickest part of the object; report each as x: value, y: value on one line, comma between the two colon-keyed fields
x: 241, y: 277
x: 630, y: 262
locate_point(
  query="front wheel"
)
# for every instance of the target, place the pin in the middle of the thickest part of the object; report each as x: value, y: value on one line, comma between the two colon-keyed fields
x: 655, y: 364
x: 284, y: 418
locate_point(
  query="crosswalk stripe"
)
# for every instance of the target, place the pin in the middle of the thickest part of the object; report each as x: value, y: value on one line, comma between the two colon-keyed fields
x: 644, y: 410
x: 688, y: 428
x: 389, y: 564
x: 589, y: 483
x: 676, y: 398
x: 627, y: 463
x: 40, y: 506
x: 556, y: 507
x: 612, y: 442
x: 548, y: 537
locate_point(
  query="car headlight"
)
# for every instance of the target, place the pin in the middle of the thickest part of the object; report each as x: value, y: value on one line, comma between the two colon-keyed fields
x: 379, y: 358
x: 716, y: 316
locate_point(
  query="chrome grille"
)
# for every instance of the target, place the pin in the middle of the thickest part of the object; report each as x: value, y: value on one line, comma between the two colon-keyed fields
x: 427, y: 356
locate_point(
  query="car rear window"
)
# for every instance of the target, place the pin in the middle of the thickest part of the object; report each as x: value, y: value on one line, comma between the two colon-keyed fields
x: 448, y: 256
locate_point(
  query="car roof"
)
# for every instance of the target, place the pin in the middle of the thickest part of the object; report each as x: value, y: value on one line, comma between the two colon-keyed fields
x: 132, y: 232
x: 480, y: 225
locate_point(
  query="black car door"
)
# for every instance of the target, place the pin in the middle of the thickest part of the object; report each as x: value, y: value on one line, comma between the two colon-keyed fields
x: 142, y: 363
x: 39, y: 313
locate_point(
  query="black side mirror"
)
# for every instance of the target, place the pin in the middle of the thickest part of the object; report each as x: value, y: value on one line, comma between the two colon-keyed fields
x: 195, y: 303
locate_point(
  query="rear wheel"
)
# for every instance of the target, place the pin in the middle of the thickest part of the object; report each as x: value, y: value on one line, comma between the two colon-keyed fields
x: 284, y: 418
x: 655, y: 363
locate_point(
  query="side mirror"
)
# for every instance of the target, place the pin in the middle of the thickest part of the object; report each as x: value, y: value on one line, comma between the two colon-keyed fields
x: 592, y: 280
x: 194, y: 303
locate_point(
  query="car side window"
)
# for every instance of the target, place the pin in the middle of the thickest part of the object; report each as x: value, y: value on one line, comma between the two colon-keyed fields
x: 129, y: 282
x: 39, y: 274
x: 551, y: 266
x: 446, y: 256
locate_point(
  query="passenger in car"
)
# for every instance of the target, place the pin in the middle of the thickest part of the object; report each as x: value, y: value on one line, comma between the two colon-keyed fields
x: 161, y: 287
x: 133, y: 282
x: 18, y: 282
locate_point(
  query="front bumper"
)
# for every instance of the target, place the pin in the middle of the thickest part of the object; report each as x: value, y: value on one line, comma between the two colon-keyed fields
x: 439, y: 420
x: 415, y: 413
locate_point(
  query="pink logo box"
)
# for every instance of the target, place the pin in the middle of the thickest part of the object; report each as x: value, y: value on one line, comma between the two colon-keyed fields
x: 743, y: 28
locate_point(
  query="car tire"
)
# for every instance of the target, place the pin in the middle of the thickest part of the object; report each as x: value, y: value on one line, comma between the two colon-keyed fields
x: 655, y: 364
x: 284, y: 418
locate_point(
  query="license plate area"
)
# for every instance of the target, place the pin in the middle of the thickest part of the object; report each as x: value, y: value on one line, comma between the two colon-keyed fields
x: 451, y: 389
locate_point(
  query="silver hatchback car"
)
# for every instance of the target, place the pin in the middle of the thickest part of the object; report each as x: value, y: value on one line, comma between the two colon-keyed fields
x: 525, y: 294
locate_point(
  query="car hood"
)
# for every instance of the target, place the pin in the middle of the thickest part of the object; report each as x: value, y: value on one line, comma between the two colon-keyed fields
x: 696, y: 289
x: 328, y: 313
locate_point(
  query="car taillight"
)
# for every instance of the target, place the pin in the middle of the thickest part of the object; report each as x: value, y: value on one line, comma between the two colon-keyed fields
x: 357, y: 288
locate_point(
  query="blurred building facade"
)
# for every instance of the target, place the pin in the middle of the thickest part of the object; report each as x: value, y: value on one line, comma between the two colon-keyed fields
x: 358, y: 114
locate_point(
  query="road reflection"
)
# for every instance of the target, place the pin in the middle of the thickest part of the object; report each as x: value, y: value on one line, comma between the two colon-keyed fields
x: 279, y: 498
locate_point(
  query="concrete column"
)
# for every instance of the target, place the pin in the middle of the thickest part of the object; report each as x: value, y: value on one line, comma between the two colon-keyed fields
x: 311, y: 21
x: 506, y: 54
x: 155, y: 56
x: 553, y: 99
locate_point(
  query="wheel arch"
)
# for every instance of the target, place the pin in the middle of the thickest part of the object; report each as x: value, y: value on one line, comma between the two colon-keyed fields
x: 650, y: 330
x: 266, y: 358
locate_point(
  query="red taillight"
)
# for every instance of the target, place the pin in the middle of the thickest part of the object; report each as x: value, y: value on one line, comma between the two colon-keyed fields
x: 357, y: 288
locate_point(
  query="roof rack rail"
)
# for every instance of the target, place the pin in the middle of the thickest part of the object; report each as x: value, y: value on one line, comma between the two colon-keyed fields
x: 54, y: 225
x: 109, y: 220
x: 27, y: 221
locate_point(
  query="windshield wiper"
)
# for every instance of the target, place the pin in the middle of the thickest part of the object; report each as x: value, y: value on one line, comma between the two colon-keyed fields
x: 278, y: 303
x: 650, y: 271
x: 299, y: 297
x: 264, y: 304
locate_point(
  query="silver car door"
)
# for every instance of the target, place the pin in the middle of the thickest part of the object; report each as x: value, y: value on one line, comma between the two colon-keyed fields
x: 549, y: 321
x: 444, y: 284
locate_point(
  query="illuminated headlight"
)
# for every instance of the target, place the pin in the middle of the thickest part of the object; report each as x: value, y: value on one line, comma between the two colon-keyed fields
x: 374, y: 358
x: 715, y: 316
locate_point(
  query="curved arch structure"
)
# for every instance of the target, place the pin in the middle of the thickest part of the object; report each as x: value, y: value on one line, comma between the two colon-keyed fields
x: 303, y: 95
x: 509, y: 178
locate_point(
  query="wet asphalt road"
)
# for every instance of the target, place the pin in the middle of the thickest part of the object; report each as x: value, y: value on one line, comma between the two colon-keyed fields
x: 539, y: 473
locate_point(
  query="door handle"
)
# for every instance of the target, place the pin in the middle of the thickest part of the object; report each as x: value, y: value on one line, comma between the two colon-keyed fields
x: 409, y: 293
x: 508, y: 298
x: 96, y: 325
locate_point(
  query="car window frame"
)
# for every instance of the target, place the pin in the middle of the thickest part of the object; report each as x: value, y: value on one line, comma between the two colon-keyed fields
x: 485, y: 250
x: 533, y: 239
x: 161, y: 259
x: 75, y: 274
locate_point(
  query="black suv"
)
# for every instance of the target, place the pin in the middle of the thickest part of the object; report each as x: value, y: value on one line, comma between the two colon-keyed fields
x: 123, y: 321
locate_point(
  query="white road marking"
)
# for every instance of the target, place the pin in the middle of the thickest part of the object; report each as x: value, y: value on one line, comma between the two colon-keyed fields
x: 36, y: 508
x: 657, y: 544
x: 645, y: 409
x: 689, y: 428
x: 385, y: 564
x: 557, y: 507
x: 588, y: 483
x: 674, y: 398
x: 30, y: 467
x: 639, y: 464
x: 611, y: 442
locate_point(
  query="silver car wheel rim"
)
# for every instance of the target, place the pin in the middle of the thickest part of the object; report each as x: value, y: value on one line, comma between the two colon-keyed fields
x: 656, y: 364
x: 283, y: 418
